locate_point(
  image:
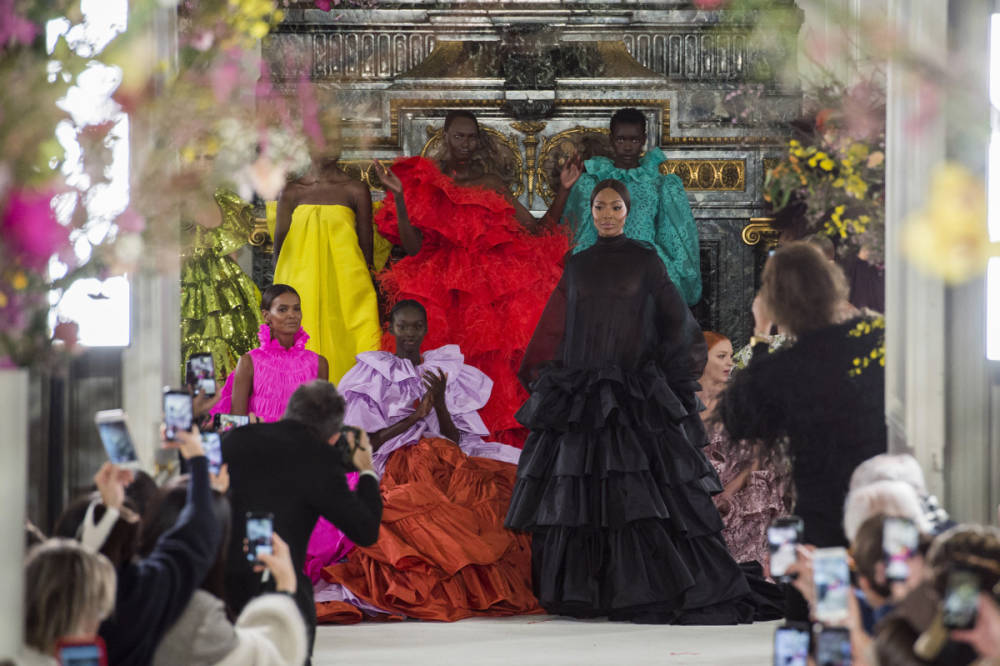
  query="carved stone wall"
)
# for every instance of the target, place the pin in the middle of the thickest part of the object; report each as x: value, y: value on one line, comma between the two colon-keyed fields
x: 543, y: 77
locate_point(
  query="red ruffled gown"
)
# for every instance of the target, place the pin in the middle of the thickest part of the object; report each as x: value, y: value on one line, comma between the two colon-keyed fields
x: 483, y: 279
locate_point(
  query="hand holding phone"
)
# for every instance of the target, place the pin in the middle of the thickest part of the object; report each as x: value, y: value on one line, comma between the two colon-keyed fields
x: 960, y: 606
x: 212, y: 444
x: 260, y: 529
x: 86, y: 652
x: 791, y: 645
x: 178, y: 412
x: 899, y: 544
x: 226, y: 422
x: 113, y: 429
x: 833, y: 647
x: 200, y: 373
x: 832, y: 582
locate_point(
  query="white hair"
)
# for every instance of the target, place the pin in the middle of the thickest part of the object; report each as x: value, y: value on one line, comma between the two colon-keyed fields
x: 890, y: 467
x: 894, y: 499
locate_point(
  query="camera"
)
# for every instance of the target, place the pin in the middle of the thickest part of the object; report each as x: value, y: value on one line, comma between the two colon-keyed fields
x: 346, y: 448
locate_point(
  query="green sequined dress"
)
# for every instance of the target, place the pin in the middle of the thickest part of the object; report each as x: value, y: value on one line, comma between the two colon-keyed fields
x: 220, y: 304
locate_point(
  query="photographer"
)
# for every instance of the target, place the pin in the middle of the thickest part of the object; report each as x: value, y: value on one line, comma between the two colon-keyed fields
x: 293, y: 470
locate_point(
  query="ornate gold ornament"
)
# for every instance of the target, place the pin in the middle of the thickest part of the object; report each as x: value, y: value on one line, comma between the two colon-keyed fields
x: 760, y: 230
x: 506, y: 154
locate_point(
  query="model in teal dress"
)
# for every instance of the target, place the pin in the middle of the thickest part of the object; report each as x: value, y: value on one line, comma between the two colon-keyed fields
x: 660, y: 214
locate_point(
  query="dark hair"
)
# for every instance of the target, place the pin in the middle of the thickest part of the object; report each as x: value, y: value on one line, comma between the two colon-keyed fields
x: 801, y: 288
x: 407, y: 303
x: 617, y: 185
x: 142, y: 491
x: 972, y: 547
x: 317, y: 405
x: 867, y: 552
x: 629, y: 116
x: 123, y: 541
x: 166, y: 507
x: 268, y: 295
x: 825, y: 245
x: 459, y: 113
x: 894, y: 643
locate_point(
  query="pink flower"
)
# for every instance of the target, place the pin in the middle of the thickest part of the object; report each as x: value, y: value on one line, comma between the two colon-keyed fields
x: 13, y: 28
x: 324, y: 5
x: 708, y: 4
x: 130, y: 221
x: 30, y: 228
x: 226, y: 76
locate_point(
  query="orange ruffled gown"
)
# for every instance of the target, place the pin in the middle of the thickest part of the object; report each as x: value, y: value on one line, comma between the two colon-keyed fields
x: 442, y: 552
x: 483, y: 279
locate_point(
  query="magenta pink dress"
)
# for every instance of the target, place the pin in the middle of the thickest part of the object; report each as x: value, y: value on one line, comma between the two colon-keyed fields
x: 277, y: 372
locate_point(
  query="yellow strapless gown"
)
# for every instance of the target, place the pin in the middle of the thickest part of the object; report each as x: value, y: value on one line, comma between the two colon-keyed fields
x: 321, y: 259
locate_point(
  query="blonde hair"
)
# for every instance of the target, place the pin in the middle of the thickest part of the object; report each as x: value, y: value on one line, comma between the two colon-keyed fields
x: 893, y: 499
x: 65, y: 587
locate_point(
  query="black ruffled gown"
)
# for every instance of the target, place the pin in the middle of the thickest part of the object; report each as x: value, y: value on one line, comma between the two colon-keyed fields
x: 612, y: 481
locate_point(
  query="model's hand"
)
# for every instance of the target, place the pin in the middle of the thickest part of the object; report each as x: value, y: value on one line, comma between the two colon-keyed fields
x: 388, y: 178
x: 435, y: 384
x: 425, y: 406
x: 762, y: 318
x: 571, y: 171
x: 111, y: 482
x: 187, y: 441
x: 280, y: 565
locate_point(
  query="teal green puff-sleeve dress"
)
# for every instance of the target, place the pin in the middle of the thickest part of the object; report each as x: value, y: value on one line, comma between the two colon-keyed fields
x: 660, y: 215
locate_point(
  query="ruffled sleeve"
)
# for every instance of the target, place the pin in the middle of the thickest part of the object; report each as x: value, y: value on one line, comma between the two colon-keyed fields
x: 237, y: 223
x: 363, y: 388
x: 547, y: 340
x: 682, y: 350
x: 577, y: 215
x: 677, y: 238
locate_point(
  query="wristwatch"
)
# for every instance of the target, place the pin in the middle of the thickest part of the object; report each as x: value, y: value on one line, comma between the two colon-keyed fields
x: 757, y: 339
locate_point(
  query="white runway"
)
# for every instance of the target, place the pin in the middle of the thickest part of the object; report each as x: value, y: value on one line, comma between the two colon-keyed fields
x: 540, y: 640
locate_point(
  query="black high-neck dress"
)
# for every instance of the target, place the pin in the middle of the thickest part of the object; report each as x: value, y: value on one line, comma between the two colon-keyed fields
x: 612, y: 481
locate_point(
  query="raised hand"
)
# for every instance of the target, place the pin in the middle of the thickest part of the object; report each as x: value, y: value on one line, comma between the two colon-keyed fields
x: 111, y: 482
x: 388, y: 178
x: 435, y: 384
x: 570, y: 172
x: 425, y: 406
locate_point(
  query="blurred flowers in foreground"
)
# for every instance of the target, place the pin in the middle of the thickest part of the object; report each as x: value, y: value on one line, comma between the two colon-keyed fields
x: 948, y: 238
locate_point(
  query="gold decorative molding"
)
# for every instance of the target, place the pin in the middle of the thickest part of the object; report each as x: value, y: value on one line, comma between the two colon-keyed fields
x: 715, y: 175
x: 259, y: 235
x: 530, y: 141
x: 760, y: 230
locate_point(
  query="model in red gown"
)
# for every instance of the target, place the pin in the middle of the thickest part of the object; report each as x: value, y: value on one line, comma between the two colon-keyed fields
x: 476, y: 258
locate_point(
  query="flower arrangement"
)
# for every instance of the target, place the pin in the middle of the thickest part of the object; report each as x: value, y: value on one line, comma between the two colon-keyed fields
x: 55, y: 162
x: 833, y: 172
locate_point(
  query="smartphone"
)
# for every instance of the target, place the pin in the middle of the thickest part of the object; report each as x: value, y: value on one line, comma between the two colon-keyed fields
x: 177, y: 412
x: 833, y: 647
x: 961, y: 599
x: 832, y: 580
x: 791, y: 645
x: 212, y: 443
x: 260, y: 529
x: 226, y: 422
x: 783, y: 536
x: 90, y: 652
x: 200, y: 374
x: 113, y: 429
x: 899, y: 545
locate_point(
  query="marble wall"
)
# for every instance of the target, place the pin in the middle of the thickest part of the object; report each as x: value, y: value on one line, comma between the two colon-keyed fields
x: 538, y: 73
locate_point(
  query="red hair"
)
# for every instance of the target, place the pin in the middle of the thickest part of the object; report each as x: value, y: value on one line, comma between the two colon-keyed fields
x: 712, y: 338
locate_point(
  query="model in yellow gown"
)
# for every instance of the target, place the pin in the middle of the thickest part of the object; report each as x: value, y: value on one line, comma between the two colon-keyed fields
x: 321, y: 258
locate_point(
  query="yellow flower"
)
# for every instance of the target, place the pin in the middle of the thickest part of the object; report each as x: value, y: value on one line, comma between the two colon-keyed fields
x: 948, y: 237
x: 3, y: 300
x: 19, y: 281
x: 826, y: 165
x: 839, y: 182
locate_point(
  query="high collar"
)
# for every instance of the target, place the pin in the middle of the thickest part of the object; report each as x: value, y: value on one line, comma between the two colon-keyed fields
x: 649, y: 167
x: 612, y: 241
x: 271, y: 344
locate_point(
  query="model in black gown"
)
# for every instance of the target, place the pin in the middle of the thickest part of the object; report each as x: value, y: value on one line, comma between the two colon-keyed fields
x: 612, y: 481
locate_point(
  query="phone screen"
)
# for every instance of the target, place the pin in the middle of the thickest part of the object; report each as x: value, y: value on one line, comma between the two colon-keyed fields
x: 791, y: 646
x: 226, y: 422
x: 782, y: 538
x: 177, y: 412
x: 831, y: 577
x: 212, y: 443
x: 899, y: 544
x: 961, y: 601
x: 83, y: 654
x: 117, y: 442
x: 833, y: 647
x: 201, y: 373
x: 260, y: 527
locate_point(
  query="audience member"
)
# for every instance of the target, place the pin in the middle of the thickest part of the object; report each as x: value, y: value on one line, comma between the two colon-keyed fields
x: 154, y: 590
x: 878, y: 593
x: 903, y: 467
x: 755, y: 487
x: 68, y: 591
x: 290, y: 470
x: 819, y: 392
x: 882, y: 498
x: 270, y: 630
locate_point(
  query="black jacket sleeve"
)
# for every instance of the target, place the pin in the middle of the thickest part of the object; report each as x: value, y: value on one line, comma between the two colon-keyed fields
x: 357, y: 513
x: 153, y: 592
x: 751, y: 406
